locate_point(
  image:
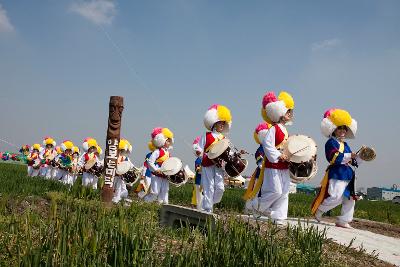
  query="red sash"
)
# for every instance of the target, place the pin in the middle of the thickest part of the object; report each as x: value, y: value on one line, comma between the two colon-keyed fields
x: 280, y: 137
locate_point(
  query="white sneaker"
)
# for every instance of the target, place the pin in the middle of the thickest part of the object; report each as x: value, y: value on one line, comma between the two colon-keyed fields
x: 279, y: 222
x: 248, y: 211
x: 343, y: 225
x: 318, y: 215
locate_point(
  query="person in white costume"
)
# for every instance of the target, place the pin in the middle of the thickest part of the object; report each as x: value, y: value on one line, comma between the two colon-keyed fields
x: 120, y: 190
x: 337, y: 187
x: 31, y: 158
x: 162, y: 139
x: 218, y: 121
x: 145, y: 180
x: 92, y: 151
x: 75, y: 163
x: 47, y: 155
x: 274, y: 198
x: 64, y: 161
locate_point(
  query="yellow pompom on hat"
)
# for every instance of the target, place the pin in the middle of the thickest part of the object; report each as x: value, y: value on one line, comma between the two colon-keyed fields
x: 334, y: 118
x: 287, y: 99
x: 217, y: 113
x: 38, y: 147
x: 160, y: 135
x: 75, y: 149
x: 125, y: 145
x: 88, y: 143
x: 67, y: 144
x: 49, y: 141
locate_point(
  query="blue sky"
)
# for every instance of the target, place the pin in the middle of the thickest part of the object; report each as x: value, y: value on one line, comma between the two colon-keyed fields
x: 61, y: 60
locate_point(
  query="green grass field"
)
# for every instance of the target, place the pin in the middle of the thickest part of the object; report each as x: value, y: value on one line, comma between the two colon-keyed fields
x: 43, y: 223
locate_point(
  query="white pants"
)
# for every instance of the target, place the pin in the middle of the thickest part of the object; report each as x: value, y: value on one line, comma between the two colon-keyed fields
x: 74, y: 177
x: 120, y: 190
x: 43, y: 170
x: 89, y: 180
x: 199, y: 196
x: 66, y: 177
x: 32, y: 172
x: 158, y: 190
x: 335, y: 190
x: 58, y: 175
x: 49, y: 172
x: 54, y: 173
x: 275, y: 193
x: 252, y: 205
x: 212, y: 180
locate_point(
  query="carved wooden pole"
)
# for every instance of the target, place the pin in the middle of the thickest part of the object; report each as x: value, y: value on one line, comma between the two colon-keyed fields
x: 116, y: 107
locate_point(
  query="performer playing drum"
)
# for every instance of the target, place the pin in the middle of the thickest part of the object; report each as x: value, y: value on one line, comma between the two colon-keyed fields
x: 145, y: 180
x: 47, y: 155
x: 124, y: 165
x: 64, y: 161
x: 163, y: 139
x: 33, y: 160
x: 89, y: 161
x: 275, y: 169
x: 337, y: 186
x: 76, y: 170
x: 217, y: 120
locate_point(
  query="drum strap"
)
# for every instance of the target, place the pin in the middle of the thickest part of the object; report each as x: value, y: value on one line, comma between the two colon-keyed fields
x: 252, y: 190
x: 323, y: 192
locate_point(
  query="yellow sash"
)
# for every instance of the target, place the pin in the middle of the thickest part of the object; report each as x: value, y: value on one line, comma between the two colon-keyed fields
x: 163, y: 158
x: 324, y: 184
x: 252, y: 190
x: 194, y: 200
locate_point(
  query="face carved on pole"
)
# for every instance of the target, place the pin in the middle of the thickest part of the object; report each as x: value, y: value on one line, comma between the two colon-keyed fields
x: 115, y: 114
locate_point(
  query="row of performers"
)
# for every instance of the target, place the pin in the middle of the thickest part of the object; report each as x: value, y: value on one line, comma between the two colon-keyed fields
x: 268, y: 191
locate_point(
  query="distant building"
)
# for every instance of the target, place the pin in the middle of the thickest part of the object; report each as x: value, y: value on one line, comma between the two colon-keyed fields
x: 306, y: 188
x: 381, y: 193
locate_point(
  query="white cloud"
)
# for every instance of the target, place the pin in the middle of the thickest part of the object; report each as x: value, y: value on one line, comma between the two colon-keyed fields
x: 5, y: 24
x: 100, y: 12
x: 326, y: 44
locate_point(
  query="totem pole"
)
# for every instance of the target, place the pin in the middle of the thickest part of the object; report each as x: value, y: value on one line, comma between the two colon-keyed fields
x: 116, y: 107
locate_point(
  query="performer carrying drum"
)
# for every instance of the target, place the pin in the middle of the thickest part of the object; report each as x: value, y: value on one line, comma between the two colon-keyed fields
x: 33, y: 160
x: 124, y: 165
x: 253, y: 192
x: 162, y: 139
x: 197, y: 195
x: 64, y: 162
x: 75, y: 163
x: 274, y: 172
x: 90, y: 160
x: 218, y: 121
x: 145, y: 180
x: 337, y: 186
x: 47, y: 155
